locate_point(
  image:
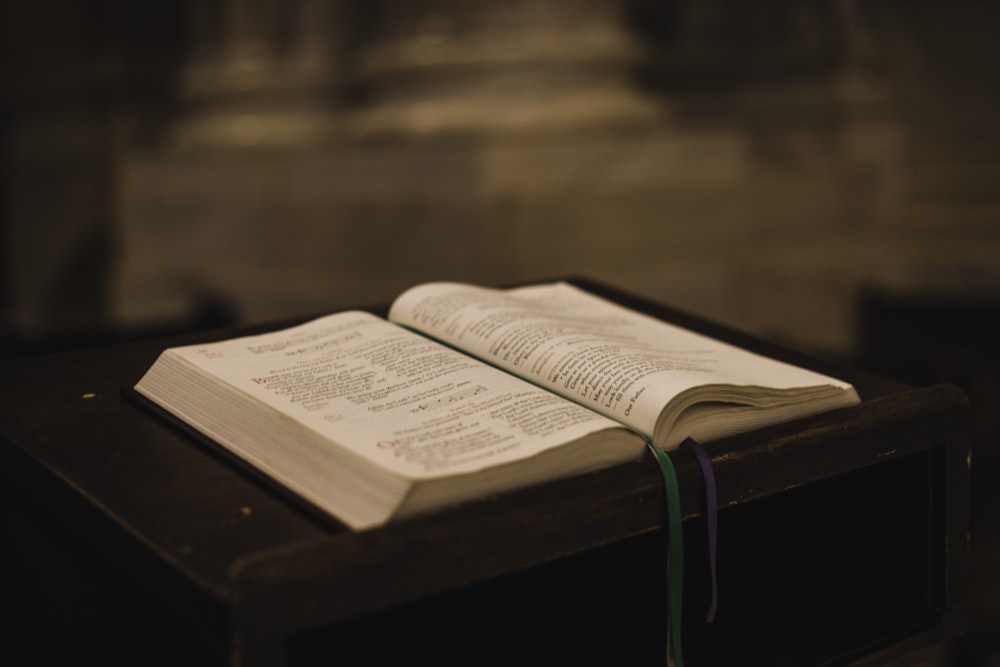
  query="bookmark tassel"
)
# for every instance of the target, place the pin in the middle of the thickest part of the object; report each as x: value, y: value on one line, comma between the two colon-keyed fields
x: 675, y: 557
x: 711, y: 518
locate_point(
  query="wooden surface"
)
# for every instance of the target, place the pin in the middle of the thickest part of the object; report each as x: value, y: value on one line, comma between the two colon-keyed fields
x: 246, y: 568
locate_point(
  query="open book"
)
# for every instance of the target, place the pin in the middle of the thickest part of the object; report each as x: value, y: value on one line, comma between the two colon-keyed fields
x: 468, y: 391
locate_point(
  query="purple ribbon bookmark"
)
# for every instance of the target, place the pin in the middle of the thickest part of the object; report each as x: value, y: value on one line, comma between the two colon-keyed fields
x: 711, y: 517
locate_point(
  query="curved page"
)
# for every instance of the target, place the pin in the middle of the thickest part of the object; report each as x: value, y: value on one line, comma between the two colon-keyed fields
x: 636, y: 369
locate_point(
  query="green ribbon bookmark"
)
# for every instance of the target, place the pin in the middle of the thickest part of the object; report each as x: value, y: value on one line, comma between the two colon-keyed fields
x: 675, y: 556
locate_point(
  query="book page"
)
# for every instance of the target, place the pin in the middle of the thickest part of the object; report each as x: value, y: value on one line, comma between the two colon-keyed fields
x: 619, y: 362
x: 409, y: 403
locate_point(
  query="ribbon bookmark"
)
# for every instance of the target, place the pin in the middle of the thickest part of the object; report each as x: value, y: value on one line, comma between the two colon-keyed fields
x: 675, y: 557
x: 711, y: 518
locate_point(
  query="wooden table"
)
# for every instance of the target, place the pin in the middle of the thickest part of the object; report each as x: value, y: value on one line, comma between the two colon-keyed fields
x: 843, y: 537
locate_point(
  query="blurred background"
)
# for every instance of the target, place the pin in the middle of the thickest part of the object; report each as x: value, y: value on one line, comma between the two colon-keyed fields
x: 823, y: 173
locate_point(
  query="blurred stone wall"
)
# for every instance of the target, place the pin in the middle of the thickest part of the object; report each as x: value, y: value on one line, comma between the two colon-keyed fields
x: 759, y: 164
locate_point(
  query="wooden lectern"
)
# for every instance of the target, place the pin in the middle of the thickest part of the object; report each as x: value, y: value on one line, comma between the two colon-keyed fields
x: 842, y: 539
